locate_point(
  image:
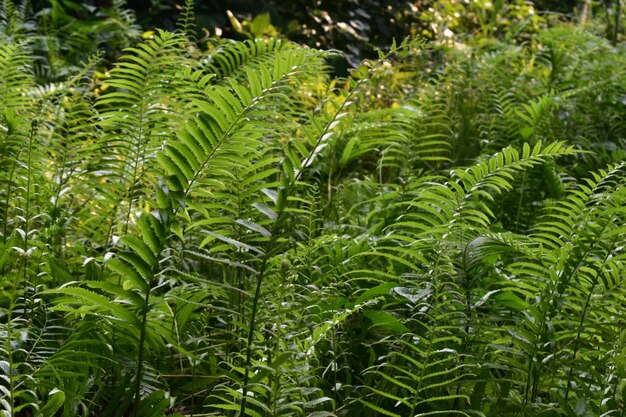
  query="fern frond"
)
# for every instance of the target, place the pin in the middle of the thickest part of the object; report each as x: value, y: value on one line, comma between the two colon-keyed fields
x: 136, y: 118
x: 16, y: 73
x: 234, y: 59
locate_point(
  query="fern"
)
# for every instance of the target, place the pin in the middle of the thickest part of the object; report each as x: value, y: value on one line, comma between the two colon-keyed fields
x: 140, y: 268
x: 234, y: 59
x: 416, y: 373
x: 235, y: 232
x: 16, y: 81
x: 136, y: 121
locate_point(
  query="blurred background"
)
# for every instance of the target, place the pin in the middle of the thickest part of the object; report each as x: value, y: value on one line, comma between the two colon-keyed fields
x: 356, y: 27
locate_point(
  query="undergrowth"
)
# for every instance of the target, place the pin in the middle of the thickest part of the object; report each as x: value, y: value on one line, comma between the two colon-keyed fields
x: 234, y: 232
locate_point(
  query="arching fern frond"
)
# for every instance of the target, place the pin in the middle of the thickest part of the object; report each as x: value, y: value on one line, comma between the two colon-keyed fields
x: 15, y: 63
x: 230, y: 124
x: 15, y: 20
x: 463, y: 201
x: 15, y: 122
x: 130, y: 306
x: 235, y: 59
x: 557, y: 276
x: 136, y: 119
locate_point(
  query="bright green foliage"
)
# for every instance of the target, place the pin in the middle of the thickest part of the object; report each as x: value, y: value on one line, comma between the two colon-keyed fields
x: 232, y: 232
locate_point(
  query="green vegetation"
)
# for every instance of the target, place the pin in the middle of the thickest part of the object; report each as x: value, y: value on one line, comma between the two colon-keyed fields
x: 222, y: 228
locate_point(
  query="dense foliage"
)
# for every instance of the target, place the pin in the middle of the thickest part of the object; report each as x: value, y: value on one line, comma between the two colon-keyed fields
x: 222, y: 228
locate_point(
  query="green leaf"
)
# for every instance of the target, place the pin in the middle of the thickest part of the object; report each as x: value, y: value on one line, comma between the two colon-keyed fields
x: 261, y: 25
x: 128, y: 273
x: 378, y: 409
x: 254, y: 227
x: 140, y: 265
x: 236, y: 24
x: 56, y: 399
x: 140, y: 248
x: 382, y: 289
x: 271, y: 214
x: 231, y: 241
x: 346, y: 155
x: 382, y: 320
x: 86, y: 297
x: 510, y: 300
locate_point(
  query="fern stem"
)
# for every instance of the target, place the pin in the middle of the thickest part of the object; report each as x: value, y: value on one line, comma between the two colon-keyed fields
x: 9, y: 347
x: 272, y: 241
x: 556, y: 295
x: 5, y: 215
x: 137, y: 157
x: 519, y: 203
x: 426, y: 360
x: 392, y: 372
x: 28, y: 191
x: 270, y: 247
x: 583, y: 315
x: 253, y: 313
x: 140, y: 355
